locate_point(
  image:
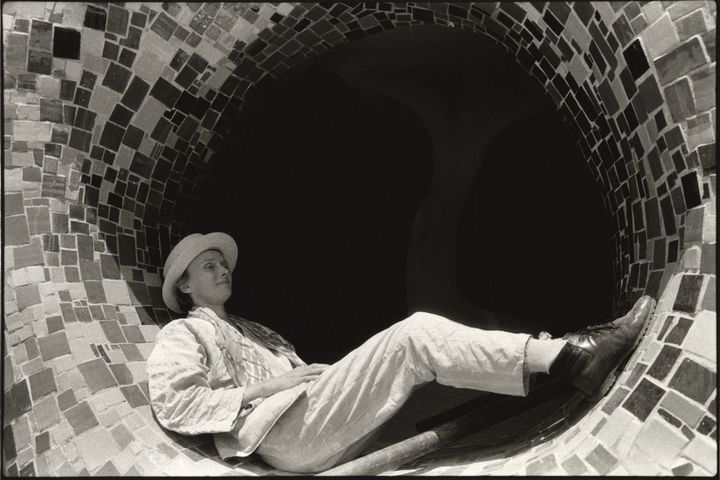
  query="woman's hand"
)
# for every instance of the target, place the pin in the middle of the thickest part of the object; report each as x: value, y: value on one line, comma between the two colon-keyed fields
x: 296, y: 376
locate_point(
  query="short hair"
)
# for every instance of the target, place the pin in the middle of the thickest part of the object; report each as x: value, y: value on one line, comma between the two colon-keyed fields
x: 183, y: 299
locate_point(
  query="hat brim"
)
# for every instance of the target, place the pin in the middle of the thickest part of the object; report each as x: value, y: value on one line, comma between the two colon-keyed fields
x: 189, y: 248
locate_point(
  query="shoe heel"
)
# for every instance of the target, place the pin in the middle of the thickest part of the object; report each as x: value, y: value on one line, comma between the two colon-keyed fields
x: 590, y: 389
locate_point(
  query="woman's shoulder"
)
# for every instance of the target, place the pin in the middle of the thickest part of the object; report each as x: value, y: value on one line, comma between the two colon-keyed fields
x: 191, y: 324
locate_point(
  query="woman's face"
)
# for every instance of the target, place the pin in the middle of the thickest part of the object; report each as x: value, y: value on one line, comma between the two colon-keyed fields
x: 209, y: 281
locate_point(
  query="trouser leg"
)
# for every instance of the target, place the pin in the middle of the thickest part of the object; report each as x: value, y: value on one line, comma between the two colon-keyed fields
x: 356, y: 395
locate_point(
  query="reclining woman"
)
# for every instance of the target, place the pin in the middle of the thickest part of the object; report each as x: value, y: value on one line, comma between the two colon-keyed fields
x: 213, y: 372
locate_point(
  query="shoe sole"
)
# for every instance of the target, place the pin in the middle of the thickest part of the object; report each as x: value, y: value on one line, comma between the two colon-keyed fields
x: 612, y: 377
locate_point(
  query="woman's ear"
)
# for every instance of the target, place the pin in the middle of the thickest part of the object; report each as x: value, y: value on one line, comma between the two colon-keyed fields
x: 184, y: 287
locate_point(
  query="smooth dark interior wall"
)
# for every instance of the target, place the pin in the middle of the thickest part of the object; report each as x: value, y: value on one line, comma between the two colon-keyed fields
x: 351, y: 185
x: 535, y: 241
x: 323, y: 185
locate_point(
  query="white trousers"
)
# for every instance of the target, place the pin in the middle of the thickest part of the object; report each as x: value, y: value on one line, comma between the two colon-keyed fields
x: 343, y: 409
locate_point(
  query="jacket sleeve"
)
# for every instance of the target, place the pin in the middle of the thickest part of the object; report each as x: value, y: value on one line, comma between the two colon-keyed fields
x: 181, y: 396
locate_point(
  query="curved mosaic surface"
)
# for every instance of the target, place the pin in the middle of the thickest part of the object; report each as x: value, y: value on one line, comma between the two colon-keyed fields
x: 112, y: 113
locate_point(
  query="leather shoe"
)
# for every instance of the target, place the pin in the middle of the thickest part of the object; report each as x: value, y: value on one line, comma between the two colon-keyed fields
x: 591, y: 358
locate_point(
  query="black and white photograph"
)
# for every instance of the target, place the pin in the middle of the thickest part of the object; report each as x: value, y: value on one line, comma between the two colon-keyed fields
x: 359, y: 239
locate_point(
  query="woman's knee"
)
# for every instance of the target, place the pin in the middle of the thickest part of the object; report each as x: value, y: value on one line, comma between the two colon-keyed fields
x: 424, y: 320
x: 417, y: 328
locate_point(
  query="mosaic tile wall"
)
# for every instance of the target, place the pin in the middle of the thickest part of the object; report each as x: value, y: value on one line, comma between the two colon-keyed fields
x: 112, y: 112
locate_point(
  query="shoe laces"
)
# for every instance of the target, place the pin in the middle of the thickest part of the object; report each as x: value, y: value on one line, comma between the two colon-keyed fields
x: 604, y: 329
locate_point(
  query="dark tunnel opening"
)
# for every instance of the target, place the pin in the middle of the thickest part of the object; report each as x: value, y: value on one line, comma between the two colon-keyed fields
x: 535, y: 241
x: 321, y: 192
x: 324, y: 184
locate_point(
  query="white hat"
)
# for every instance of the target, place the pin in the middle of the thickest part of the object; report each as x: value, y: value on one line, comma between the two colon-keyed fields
x: 185, y: 252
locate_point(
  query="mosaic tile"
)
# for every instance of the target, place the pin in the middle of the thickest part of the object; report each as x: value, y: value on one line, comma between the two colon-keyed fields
x: 16, y: 230
x: 601, y: 460
x: 16, y: 46
x: 111, y: 136
x: 643, y: 399
x: 133, y: 137
x: 27, y: 296
x: 127, y: 57
x: 133, y: 38
x: 680, y: 100
x: 28, y: 255
x: 42, y: 442
x: 134, y: 396
x: 85, y: 119
x: 8, y: 444
x: 126, y: 246
x: 46, y: 412
x: 110, y: 51
x: 82, y: 97
x: 660, y: 37
x: 165, y: 92
x: 133, y: 334
x: 88, y: 80
x: 225, y: 19
x: 83, y: 314
x: 193, y: 40
x: 41, y: 35
x: 186, y: 76
x: 664, y: 362
x: 39, y: 62
x: 108, y: 470
x: 54, y: 345
x: 96, y: 447
x: 38, y: 219
x: 201, y: 22
x: 54, y: 324
x: 121, y: 115
x: 131, y: 352
x: 691, y: 190
x: 668, y: 417
x: 541, y: 466
x: 66, y: 43
x: 17, y: 401
x: 95, y: 292
x: 661, y: 443
x: 703, y: 452
x: 706, y: 425
x: 138, y: 19
x: 679, y: 331
x: 66, y: 400
x: 688, y: 293
x: 22, y: 25
x: 683, y: 470
x: 122, y: 374
x: 27, y: 471
x: 122, y: 435
x: 13, y: 204
x: 704, y: 87
x: 693, y: 380
x: 117, y: 20
x: 164, y: 26
x: 81, y: 418
x: 97, y: 375
x: 685, y: 58
x: 42, y: 383
x: 95, y: 18
x: 116, y: 77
